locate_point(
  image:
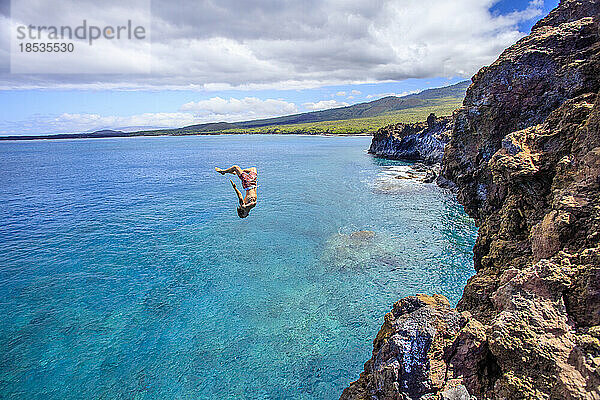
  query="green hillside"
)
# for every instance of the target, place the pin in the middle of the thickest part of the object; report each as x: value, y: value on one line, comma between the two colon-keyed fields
x: 355, y: 119
x: 364, y: 125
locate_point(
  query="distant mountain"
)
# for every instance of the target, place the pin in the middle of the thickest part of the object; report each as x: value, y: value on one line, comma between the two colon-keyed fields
x: 362, y: 118
x: 361, y: 110
x: 104, y: 133
x: 137, y: 128
x: 107, y: 133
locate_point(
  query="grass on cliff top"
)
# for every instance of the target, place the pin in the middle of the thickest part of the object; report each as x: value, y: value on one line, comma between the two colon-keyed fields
x: 369, y: 125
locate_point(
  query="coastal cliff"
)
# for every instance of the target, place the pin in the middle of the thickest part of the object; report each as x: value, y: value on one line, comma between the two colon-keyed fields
x: 422, y: 141
x: 524, y: 155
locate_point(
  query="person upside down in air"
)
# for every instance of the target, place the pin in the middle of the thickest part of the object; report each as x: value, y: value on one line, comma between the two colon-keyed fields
x: 248, y: 177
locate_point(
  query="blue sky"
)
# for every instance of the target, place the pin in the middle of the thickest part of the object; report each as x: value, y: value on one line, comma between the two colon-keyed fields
x: 284, y: 80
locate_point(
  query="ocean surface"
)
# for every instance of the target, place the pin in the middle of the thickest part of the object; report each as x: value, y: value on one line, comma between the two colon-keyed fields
x: 125, y: 272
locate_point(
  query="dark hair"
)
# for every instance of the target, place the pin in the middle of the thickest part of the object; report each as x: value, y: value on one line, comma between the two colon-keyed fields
x: 242, y: 212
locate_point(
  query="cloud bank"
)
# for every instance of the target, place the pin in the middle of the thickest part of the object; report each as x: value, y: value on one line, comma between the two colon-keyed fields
x: 219, y: 109
x: 251, y: 44
x: 324, y: 104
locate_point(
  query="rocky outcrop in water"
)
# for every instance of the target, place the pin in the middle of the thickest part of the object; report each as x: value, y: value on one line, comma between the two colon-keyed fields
x: 408, y: 353
x: 423, y: 141
x: 525, y: 158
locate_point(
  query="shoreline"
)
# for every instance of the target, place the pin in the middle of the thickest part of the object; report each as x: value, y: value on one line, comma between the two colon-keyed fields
x: 77, y: 136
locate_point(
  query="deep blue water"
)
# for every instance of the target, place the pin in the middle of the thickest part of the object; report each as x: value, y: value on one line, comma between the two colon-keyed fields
x: 125, y: 272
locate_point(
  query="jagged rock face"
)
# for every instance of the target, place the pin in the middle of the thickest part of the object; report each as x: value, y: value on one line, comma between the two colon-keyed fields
x: 408, y: 352
x: 525, y: 156
x: 556, y: 62
x: 537, y: 294
x: 423, y: 141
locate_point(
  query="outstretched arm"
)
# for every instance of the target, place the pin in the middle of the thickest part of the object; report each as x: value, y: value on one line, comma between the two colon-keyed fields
x: 239, y: 194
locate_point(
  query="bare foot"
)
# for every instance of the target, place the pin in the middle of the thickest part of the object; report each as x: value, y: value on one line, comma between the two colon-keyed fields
x: 219, y: 170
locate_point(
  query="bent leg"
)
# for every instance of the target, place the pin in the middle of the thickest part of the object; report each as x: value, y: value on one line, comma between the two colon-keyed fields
x: 234, y: 169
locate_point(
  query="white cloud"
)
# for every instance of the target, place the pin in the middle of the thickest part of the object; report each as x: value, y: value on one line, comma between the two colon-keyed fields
x: 88, y: 122
x: 324, y: 104
x: 233, y: 109
x: 235, y: 44
x: 380, y: 95
x: 340, y: 93
x: 349, y: 97
x: 355, y: 92
x: 95, y: 121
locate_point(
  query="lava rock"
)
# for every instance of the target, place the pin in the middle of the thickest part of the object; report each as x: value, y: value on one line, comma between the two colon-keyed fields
x: 407, y: 361
x: 524, y: 157
x: 423, y: 141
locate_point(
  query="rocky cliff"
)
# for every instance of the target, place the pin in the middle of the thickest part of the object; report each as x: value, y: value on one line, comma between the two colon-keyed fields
x: 525, y: 157
x: 423, y: 141
x: 408, y: 353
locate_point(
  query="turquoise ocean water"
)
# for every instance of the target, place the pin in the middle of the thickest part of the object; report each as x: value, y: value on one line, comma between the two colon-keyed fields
x: 125, y: 272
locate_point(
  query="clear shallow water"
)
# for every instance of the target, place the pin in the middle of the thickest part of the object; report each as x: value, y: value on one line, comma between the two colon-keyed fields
x: 125, y: 272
